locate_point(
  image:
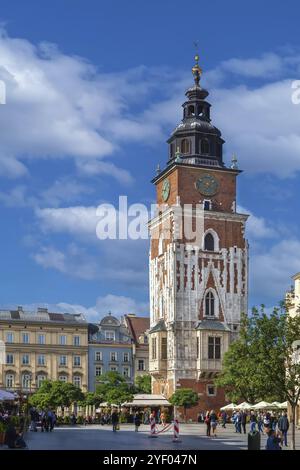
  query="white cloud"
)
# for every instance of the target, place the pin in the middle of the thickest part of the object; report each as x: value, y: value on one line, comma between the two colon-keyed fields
x: 271, y: 269
x: 73, y: 261
x: 116, y: 304
x: 257, y: 227
x: 77, y: 220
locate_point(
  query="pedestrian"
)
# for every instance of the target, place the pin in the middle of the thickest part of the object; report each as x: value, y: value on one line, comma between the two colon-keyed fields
x: 137, y: 421
x: 267, y: 422
x: 239, y: 422
x: 283, y: 426
x: 207, y: 422
x: 34, y: 416
x: 260, y: 422
x: 199, y: 417
x: 213, y: 422
x: 224, y: 418
x: 163, y: 418
x: 13, y: 439
x: 273, y: 441
x: 243, y: 421
x: 253, y: 421
x: 115, y: 420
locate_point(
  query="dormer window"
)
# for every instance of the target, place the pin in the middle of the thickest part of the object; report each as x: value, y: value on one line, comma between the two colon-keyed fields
x: 109, y: 335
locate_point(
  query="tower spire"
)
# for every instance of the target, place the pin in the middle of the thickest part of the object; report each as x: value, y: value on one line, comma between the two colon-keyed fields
x: 196, y: 70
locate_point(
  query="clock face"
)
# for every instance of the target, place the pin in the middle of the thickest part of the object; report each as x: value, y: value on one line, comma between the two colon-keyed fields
x: 165, y: 192
x: 207, y: 185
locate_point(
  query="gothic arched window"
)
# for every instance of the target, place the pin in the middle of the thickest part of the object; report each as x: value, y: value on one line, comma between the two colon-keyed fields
x: 210, y: 304
x: 209, y: 242
x: 185, y: 146
x: 205, y: 146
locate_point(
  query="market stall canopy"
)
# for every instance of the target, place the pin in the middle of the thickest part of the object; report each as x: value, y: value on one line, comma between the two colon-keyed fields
x: 244, y: 406
x: 231, y: 406
x: 141, y: 400
x: 6, y: 396
x: 106, y: 405
x: 283, y: 406
x: 263, y: 405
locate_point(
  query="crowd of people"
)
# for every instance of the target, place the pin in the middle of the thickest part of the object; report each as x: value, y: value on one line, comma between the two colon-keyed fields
x: 275, y: 426
x: 46, y: 419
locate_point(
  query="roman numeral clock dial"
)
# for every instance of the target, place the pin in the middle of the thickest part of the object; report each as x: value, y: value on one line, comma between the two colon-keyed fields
x: 165, y: 192
x: 207, y: 185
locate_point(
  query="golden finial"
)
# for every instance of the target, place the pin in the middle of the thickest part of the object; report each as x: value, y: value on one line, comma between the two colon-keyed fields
x: 196, y: 70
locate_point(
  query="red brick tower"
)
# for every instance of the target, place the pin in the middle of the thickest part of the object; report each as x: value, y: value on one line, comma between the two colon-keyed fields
x: 198, y: 286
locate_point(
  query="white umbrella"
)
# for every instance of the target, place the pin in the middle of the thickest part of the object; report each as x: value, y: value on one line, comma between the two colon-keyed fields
x: 231, y: 406
x: 263, y: 405
x: 6, y: 396
x: 244, y: 406
x: 283, y: 406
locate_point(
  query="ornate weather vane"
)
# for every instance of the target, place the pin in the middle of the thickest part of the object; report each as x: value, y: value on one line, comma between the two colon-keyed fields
x: 196, y: 70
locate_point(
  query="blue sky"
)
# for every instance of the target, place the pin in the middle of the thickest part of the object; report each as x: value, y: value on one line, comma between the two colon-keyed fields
x: 94, y: 89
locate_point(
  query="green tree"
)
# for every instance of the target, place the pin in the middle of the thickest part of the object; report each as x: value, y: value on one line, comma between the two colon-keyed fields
x: 143, y: 383
x: 263, y: 364
x: 91, y: 399
x: 114, y: 388
x: 55, y: 393
x: 185, y: 397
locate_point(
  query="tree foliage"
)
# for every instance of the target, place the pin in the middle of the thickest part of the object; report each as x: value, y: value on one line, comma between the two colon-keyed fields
x: 261, y: 364
x: 52, y: 394
x: 114, y: 389
x: 185, y: 397
x: 143, y: 383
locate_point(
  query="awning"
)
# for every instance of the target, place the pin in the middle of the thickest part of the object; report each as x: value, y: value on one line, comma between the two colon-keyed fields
x: 142, y: 400
x: 6, y: 396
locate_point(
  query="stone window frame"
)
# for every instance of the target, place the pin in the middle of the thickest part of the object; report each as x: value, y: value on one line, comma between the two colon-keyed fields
x: 211, y: 394
x: 215, y: 237
x: 216, y: 301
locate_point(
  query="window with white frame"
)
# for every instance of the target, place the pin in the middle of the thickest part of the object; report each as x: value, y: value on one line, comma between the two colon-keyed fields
x: 126, y: 357
x: 126, y: 372
x: 25, y: 338
x: 211, y: 390
x: 109, y: 335
x: 9, y: 358
x: 41, y: 360
x: 210, y: 304
x: 76, y: 340
x: 77, y: 361
x: 98, y: 371
x: 26, y: 381
x: 113, y: 356
x: 9, y: 380
x: 98, y: 356
x: 62, y: 360
x: 9, y: 337
x: 214, y: 347
x: 113, y: 368
x: 77, y: 381
x: 62, y: 378
x: 25, y: 359
x: 40, y: 379
x: 41, y: 339
x: 62, y: 340
x: 141, y: 364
